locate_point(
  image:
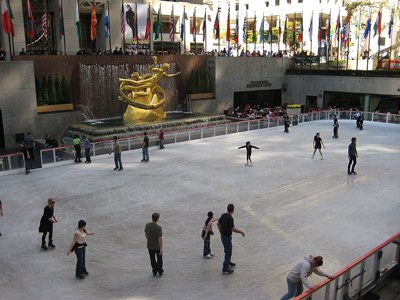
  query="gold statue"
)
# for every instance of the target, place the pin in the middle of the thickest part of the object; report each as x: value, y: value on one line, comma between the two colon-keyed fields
x: 144, y: 96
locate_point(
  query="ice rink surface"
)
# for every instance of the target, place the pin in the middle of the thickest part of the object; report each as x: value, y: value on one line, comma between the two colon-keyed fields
x: 288, y: 204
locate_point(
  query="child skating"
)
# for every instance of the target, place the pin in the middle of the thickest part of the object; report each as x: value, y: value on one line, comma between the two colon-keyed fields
x: 317, y: 145
x: 248, y: 147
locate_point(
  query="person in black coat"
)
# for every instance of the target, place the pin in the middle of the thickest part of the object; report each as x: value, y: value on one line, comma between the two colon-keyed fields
x: 248, y: 147
x: 335, y: 127
x: 286, y: 122
x: 46, y: 223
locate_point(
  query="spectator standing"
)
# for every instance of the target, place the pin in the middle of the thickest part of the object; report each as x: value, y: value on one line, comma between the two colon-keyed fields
x: 352, y: 154
x: 77, y: 145
x: 88, y: 146
x: 79, y: 245
x: 145, y: 148
x: 27, y: 157
x: 46, y: 223
x: 161, y: 137
x: 335, y: 127
x: 298, y: 275
x: 226, y: 226
x: 116, y: 149
x: 317, y: 145
x: 153, y: 233
x: 30, y: 145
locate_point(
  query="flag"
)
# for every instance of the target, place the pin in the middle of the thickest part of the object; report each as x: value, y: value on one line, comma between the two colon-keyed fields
x: 236, y: 37
x: 228, y: 26
x: 262, y: 30
x: 158, y: 25
x: 93, y: 22
x: 285, y: 31
x: 357, y: 33
x: 319, y: 28
x: 300, y: 38
x: 61, y: 19
x: 172, y: 27
x: 182, y: 35
x: 255, y: 29
x: 337, y: 29
x: 77, y: 20
x: 204, y: 26
x: 6, y: 17
x: 123, y: 25
x: 216, y: 25
x: 377, y: 25
x: 193, y: 28
x: 31, y: 30
x: 245, y: 29
x: 106, y: 24
x: 367, y: 27
x: 294, y: 29
x: 328, y: 29
x: 10, y: 13
x: 270, y: 31
x: 391, y: 22
x: 148, y: 25
x: 44, y: 23
x: 310, y: 28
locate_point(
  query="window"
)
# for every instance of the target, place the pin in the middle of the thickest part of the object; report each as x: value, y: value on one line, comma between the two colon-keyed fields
x: 276, y: 2
x: 266, y: 3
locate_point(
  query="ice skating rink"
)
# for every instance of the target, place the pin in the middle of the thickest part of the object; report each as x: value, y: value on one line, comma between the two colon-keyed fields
x: 288, y: 204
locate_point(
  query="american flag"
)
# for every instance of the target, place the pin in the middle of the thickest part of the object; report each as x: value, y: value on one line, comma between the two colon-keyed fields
x: 44, y: 23
x: 123, y: 27
x: 172, y: 27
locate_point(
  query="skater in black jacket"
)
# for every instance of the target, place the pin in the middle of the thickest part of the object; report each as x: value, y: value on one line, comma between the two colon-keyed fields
x: 248, y: 147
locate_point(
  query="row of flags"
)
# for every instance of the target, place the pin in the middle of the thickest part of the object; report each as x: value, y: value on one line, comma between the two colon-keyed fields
x: 340, y: 33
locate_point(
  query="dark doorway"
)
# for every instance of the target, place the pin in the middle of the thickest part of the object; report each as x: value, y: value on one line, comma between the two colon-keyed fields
x: 311, y: 102
x: 2, y: 140
x: 263, y: 98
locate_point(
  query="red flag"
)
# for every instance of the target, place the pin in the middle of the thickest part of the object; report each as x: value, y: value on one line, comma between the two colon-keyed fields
x: 31, y: 30
x: 228, y: 26
x: 236, y: 37
x: 216, y: 25
x: 5, y: 17
x: 379, y: 22
x: 147, y: 34
x: 93, y: 22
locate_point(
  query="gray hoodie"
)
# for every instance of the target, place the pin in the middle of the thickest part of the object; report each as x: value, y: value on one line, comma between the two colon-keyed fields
x: 304, y: 269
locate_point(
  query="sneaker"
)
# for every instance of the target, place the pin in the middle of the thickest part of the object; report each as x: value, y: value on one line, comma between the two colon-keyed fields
x: 44, y: 247
x: 80, y: 276
x: 232, y: 264
x: 227, y: 271
x: 207, y: 256
x: 160, y: 273
x: 212, y: 254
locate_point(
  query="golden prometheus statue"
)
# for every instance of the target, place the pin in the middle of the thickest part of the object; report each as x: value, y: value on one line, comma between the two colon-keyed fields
x: 144, y: 96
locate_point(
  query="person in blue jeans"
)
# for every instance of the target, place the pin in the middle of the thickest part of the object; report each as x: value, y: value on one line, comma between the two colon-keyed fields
x: 116, y: 149
x: 88, y: 146
x: 206, y: 234
x: 298, y: 275
x: 145, y: 148
x: 226, y: 226
x: 79, y: 246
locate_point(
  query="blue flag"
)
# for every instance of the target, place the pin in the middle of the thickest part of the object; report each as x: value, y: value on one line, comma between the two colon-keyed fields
x: 367, y: 27
x: 262, y: 30
x: 106, y: 25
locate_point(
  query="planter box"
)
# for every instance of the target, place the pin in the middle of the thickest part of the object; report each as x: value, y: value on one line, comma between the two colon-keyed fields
x: 201, y: 96
x: 293, y: 111
x: 54, y: 108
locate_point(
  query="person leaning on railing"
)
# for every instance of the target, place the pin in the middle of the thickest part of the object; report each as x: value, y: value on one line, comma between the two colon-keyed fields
x: 298, y: 275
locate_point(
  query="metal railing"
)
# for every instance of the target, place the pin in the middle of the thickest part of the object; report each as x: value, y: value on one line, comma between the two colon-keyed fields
x: 361, y: 276
x: 67, y: 153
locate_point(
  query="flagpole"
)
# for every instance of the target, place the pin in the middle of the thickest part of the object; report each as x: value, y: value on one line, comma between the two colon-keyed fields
x: 379, y: 34
x: 173, y: 30
x: 123, y: 22
x: 270, y: 33
x: 348, y: 42
x: 263, y: 33
x: 358, y: 38
x: 195, y: 33
x: 9, y: 45
x: 150, y: 36
x: 109, y: 28
x: 136, y: 28
x: 328, y: 45
x: 391, y: 38
x: 279, y: 33
x: 312, y: 24
x: 65, y: 44
x: 338, y: 41
x: 184, y: 30
x: 369, y: 41
x: 219, y: 33
x: 205, y: 33
x: 294, y: 34
x: 285, y: 33
x: 161, y: 33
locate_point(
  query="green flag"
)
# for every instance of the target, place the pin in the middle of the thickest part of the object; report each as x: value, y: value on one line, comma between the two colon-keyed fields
x: 158, y: 26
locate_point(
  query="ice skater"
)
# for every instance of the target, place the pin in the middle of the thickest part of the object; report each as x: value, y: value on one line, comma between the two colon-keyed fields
x: 352, y: 153
x: 317, y: 145
x: 88, y: 146
x: 153, y: 233
x: 77, y: 145
x: 206, y: 235
x: 161, y: 137
x: 335, y: 127
x: 1, y: 211
x: 248, y: 147
x: 298, y: 275
x: 79, y: 246
x: 116, y: 149
x: 46, y: 224
x: 145, y: 148
x: 286, y: 122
